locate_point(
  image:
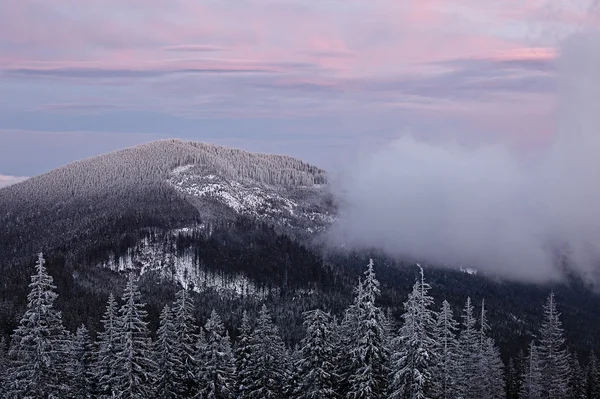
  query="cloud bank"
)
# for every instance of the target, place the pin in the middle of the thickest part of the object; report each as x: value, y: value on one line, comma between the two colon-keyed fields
x: 6, y: 181
x: 484, y: 206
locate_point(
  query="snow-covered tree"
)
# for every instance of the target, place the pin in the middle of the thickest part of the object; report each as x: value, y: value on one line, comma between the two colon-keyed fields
x: 365, y: 364
x: 577, y: 379
x: 446, y: 349
x: 593, y: 377
x: 3, y: 365
x: 135, y: 367
x: 553, y: 354
x: 266, y: 366
x: 185, y: 342
x: 81, y: 368
x: 217, y: 379
x: 242, y: 356
x: 39, y: 351
x: 531, y: 386
x: 167, y: 382
x: 413, y: 364
x: 468, y: 343
x: 316, y: 367
x: 490, y: 382
x: 105, y: 369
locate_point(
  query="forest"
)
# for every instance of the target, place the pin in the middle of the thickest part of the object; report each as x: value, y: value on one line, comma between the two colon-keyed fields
x: 362, y: 354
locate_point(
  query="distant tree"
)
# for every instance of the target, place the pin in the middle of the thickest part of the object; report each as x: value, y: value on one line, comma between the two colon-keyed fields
x: 217, y: 371
x: 412, y: 366
x: 553, y: 354
x: 447, y: 350
x: 134, y: 355
x: 39, y: 351
x: 81, y: 368
x: 105, y: 369
x: 167, y: 382
x: 531, y: 387
x: 317, y: 377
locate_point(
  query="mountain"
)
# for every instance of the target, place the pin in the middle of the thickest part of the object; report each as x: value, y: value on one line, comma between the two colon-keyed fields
x: 238, y: 228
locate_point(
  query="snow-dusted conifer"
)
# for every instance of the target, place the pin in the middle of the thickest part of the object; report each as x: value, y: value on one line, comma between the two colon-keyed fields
x: 531, y: 385
x: 490, y: 382
x: 553, y: 354
x: 81, y: 368
x: 265, y: 374
x: 316, y: 367
x: 135, y: 367
x: 468, y: 373
x: 593, y: 376
x: 366, y: 371
x: 577, y: 379
x: 105, y: 369
x: 167, y: 382
x: 446, y: 349
x: 185, y: 343
x: 39, y: 351
x: 218, y: 366
x: 242, y: 356
x: 413, y: 364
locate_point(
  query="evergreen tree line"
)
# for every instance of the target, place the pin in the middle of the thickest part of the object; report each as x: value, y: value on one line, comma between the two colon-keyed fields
x: 363, y: 355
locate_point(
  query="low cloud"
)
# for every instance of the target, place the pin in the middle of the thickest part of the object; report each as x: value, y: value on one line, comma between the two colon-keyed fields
x: 482, y: 206
x: 6, y: 181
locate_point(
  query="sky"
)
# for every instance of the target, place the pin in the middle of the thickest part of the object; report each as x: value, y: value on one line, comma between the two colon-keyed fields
x: 323, y: 80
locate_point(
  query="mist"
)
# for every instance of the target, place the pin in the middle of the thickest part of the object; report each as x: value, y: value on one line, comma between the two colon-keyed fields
x: 483, y: 207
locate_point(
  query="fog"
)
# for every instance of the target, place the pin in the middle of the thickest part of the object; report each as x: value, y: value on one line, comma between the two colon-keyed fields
x: 484, y: 207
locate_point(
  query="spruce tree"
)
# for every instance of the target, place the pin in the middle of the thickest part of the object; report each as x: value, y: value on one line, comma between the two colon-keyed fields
x: 490, y: 375
x: 316, y: 367
x: 593, y: 376
x: 446, y: 349
x: 134, y: 355
x: 81, y: 368
x: 367, y: 361
x: 167, y: 382
x: 242, y: 356
x: 3, y: 365
x: 105, y: 369
x: 553, y: 354
x: 185, y: 343
x: 577, y: 379
x: 468, y: 373
x: 265, y: 375
x: 217, y: 370
x: 39, y: 351
x: 531, y: 386
x: 412, y: 366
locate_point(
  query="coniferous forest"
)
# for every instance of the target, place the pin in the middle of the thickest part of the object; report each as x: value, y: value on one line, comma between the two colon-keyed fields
x: 359, y: 354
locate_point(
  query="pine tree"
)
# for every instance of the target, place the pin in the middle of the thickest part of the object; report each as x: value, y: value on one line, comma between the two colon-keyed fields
x: 593, y: 377
x: 316, y: 367
x: 242, y: 356
x: 531, y: 386
x: 512, y: 380
x: 39, y: 351
x: 168, y: 381
x: 490, y: 374
x: 217, y: 371
x: 265, y: 373
x: 577, y: 379
x: 367, y: 362
x: 105, y: 369
x: 553, y: 355
x: 467, y: 373
x: 446, y: 349
x: 3, y: 365
x: 81, y: 369
x: 412, y: 366
x: 185, y: 344
x: 134, y: 356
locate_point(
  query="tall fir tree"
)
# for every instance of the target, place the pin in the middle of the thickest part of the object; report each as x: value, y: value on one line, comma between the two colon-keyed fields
x: 577, y: 379
x: 413, y: 365
x: 446, y: 348
x: 242, y: 356
x: 317, y: 377
x: 266, y: 366
x: 217, y: 371
x: 105, y: 369
x: 367, y: 367
x: 490, y: 374
x: 134, y: 356
x: 167, y: 384
x: 593, y: 377
x: 81, y: 371
x: 468, y: 373
x: 185, y: 343
x: 39, y: 351
x: 553, y: 354
x: 3, y: 365
x: 531, y: 386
